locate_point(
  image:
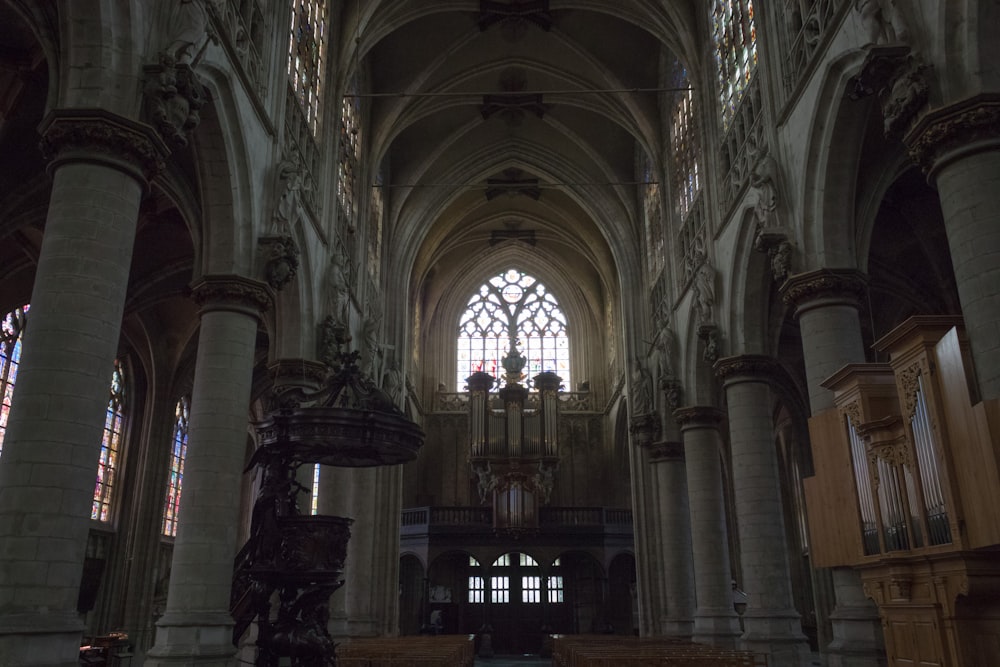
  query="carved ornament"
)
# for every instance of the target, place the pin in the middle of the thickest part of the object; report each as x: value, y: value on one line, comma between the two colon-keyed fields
x: 899, y: 79
x: 698, y: 416
x: 853, y: 412
x: 908, y: 381
x: 672, y: 391
x: 944, y: 131
x: 802, y: 288
x: 232, y: 292
x: 282, y: 256
x: 644, y: 428
x: 753, y: 367
x: 298, y: 371
x: 95, y: 135
x: 709, y: 334
x: 174, y: 97
x: 666, y: 452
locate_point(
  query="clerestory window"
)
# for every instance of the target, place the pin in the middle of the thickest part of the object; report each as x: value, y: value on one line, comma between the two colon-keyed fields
x: 512, y: 305
x: 734, y: 34
x: 306, y: 56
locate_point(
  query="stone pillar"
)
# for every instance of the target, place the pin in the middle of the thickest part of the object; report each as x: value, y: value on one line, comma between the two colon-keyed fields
x: 196, y: 628
x: 826, y: 304
x: 100, y: 166
x: 648, y: 568
x: 959, y: 148
x: 715, y: 618
x: 675, y: 538
x: 771, y: 622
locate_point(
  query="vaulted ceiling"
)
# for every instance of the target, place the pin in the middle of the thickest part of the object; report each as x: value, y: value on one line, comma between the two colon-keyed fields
x: 514, y: 125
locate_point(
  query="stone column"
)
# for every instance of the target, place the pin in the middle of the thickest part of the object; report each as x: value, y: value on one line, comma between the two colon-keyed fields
x: 715, y: 619
x: 196, y: 628
x: 826, y: 304
x: 100, y: 166
x: 648, y: 568
x: 959, y: 148
x: 771, y: 622
x: 675, y: 538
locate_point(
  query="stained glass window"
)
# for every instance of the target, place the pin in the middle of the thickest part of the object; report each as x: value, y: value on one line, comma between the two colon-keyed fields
x: 314, y: 504
x: 651, y: 212
x: 512, y: 304
x: 375, y: 230
x: 734, y: 34
x: 10, y: 355
x: 350, y: 148
x: 306, y: 54
x: 177, y: 454
x: 684, y: 149
x: 107, y: 465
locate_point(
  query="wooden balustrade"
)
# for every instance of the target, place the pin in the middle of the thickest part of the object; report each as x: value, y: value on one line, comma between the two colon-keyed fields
x: 419, y: 651
x: 618, y: 651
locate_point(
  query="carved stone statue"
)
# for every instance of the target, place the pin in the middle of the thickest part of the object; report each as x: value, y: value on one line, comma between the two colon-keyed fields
x: 296, y: 182
x: 641, y: 389
x: 882, y: 21
x: 338, y: 290
x: 371, y: 348
x: 186, y: 30
x: 906, y: 95
x: 487, y: 481
x: 703, y: 288
x: 764, y: 183
x: 392, y: 380
x: 661, y: 356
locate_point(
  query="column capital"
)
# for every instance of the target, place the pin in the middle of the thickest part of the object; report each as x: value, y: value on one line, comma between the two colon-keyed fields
x: 804, y: 291
x: 232, y: 292
x: 943, y: 135
x: 644, y: 428
x: 747, y: 368
x: 698, y: 416
x: 99, y: 136
x: 666, y: 452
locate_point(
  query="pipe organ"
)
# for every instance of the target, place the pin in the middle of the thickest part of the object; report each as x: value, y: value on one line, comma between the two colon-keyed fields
x: 897, y: 463
x: 514, y: 450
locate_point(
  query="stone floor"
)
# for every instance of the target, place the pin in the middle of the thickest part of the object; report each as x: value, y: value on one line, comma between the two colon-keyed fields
x: 511, y: 661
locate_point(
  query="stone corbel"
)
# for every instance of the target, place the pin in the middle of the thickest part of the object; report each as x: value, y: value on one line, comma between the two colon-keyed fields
x: 282, y: 259
x: 673, y: 391
x: 899, y: 79
x: 709, y: 335
x: 644, y: 429
x: 775, y: 244
x: 174, y: 97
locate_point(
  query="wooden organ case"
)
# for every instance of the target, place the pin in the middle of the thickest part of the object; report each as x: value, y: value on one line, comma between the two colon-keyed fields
x: 907, y: 491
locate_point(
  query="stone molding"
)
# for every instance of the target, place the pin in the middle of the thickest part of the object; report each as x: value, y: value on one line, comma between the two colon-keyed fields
x: 232, y: 292
x: 99, y: 136
x: 846, y: 286
x: 747, y: 368
x: 666, y: 452
x: 940, y: 136
x: 698, y: 416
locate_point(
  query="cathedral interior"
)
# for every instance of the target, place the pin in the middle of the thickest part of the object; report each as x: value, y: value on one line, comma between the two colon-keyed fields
x: 657, y: 318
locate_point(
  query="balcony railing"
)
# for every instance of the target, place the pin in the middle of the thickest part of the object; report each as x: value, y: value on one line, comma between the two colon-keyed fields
x: 421, y: 520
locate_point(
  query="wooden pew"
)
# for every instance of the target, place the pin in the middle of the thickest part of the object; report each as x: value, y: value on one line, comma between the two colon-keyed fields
x: 415, y: 651
x: 619, y: 651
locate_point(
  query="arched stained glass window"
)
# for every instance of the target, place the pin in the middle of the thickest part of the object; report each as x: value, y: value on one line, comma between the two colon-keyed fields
x: 350, y: 148
x: 107, y: 465
x: 651, y: 211
x: 684, y: 147
x: 512, y: 305
x: 306, y: 52
x: 177, y: 455
x: 734, y: 33
x: 10, y: 355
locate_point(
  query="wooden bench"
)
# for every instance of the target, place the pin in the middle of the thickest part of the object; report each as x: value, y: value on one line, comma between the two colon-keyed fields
x: 415, y: 651
x: 618, y: 651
